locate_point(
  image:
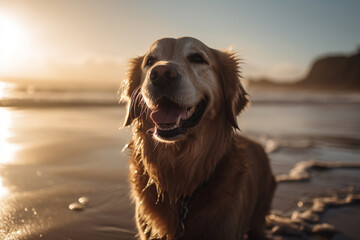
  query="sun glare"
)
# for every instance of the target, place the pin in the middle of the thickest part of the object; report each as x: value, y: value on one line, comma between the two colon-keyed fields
x: 13, y: 42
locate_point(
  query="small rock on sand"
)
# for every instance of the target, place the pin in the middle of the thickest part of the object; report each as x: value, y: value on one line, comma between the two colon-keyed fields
x: 76, y: 206
x: 84, y: 201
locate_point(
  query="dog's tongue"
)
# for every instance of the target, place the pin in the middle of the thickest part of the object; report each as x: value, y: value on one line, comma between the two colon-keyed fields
x: 167, y: 112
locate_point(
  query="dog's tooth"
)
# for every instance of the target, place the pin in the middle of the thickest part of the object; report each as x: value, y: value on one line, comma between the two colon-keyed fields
x: 167, y: 128
x: 190, y: 112
x: 178, y: 121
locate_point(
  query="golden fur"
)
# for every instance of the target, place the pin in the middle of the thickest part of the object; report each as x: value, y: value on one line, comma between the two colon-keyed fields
x: 224, y: 179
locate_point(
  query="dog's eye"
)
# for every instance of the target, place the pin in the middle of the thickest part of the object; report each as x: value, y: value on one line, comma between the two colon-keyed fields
x: 196, y: 58
x: 150, y: 61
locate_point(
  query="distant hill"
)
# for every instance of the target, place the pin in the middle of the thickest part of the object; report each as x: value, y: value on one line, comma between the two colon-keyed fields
x: 335, y: 72
x: 330, y: 72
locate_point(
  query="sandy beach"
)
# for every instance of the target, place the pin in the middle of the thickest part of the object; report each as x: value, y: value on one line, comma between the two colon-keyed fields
x: 51, y: 156
x: 63, y: 166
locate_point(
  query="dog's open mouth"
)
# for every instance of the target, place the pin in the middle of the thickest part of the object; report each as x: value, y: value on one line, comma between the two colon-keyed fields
x: 172, y: 120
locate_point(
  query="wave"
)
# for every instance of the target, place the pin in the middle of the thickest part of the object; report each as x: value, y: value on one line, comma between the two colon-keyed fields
x: 55, y: 103
x: 303, y: 97
x: 60, y: 98
x: 319, y: 101
x: 306, y: 223
x: 301, y: 142
x: 12, y: 94
x: 301, y: 170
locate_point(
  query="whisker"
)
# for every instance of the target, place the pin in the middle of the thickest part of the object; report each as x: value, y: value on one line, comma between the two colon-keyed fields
x: 135, y: 98
x: 144, y: 108
x: 134, y: 93
x: 143, y: 102
x: 156, y: 144
x: 138, y: 97
x: 148, y: 111
x: 176, y: 146
x: 142, y: 111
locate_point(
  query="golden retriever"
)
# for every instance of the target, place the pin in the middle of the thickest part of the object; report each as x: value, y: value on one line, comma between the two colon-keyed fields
x: 192, y: 175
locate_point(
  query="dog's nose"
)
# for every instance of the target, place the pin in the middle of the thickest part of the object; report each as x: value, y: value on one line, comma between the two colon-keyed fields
x: 163, y: 75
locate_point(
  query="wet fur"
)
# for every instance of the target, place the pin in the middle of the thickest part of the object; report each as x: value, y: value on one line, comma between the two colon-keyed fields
x: 226, y: 177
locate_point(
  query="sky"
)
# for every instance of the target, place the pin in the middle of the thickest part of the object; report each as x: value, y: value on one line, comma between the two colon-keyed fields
x: 91, y: 41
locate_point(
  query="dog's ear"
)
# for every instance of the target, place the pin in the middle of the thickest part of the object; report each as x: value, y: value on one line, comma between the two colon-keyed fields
x: 235, y: 96
x: 130, y: 88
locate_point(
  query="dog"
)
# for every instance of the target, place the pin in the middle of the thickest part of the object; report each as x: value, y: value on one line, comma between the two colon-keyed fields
x: 192, y: 175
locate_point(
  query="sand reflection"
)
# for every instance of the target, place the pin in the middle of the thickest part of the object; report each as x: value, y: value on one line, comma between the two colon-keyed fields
x: 3, y: 189
x: 7, y: 149
x: 2, y: 89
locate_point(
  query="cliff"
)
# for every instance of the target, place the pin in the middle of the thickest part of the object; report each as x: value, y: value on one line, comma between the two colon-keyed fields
x: 334, y: 72
x: 326, y: 73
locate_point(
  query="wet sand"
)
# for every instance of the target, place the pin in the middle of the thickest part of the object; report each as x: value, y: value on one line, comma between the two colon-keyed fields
x: 52, y: 156
x: 61, y: 154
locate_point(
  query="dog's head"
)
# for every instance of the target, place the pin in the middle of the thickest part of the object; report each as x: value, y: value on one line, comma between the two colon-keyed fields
x: 180, y: 83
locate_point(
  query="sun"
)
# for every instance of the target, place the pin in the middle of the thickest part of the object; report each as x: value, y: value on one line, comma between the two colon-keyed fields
x: 13, y: 42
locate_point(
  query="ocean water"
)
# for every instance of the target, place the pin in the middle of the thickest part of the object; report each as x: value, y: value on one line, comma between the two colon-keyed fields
x: 19, y: 95
x: 57, y: 146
